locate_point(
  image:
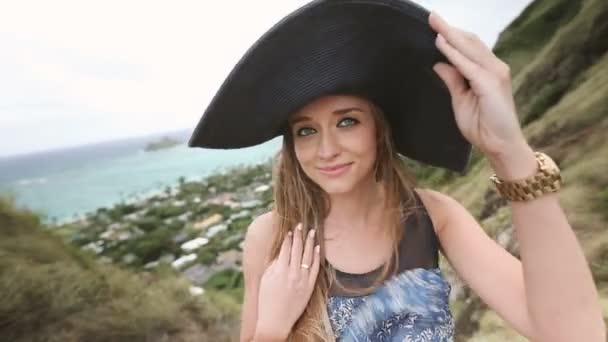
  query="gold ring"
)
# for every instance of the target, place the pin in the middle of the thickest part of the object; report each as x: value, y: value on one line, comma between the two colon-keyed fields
x: 305, y: 266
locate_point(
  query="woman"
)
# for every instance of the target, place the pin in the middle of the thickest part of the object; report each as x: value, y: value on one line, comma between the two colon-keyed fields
x: 350, y: 250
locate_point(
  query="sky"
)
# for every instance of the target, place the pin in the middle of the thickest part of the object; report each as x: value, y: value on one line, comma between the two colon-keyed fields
x: 76, y: 72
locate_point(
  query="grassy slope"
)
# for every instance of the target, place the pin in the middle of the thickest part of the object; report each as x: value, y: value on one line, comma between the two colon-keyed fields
x: 50, y: 291
x: 560, y: 76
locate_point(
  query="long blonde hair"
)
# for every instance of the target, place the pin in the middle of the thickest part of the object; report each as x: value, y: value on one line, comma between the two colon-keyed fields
x: 298, y: 199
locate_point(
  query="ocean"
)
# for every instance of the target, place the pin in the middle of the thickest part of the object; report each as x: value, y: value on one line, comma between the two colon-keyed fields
x: 65, y: 184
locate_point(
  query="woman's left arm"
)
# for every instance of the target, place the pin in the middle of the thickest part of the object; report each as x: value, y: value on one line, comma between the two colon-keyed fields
x: 547, y: 296
x: 562, y: 299
x: 558, y: 290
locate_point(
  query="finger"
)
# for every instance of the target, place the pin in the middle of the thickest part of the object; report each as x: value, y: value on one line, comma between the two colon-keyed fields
x: 285, y: 252
x: 466, y: 67
x: 467, y: 43
x: 308, y: 250
x: 296, y: 249
x: 314, y: 268
x: 485, y: 57
x: 453, y: 79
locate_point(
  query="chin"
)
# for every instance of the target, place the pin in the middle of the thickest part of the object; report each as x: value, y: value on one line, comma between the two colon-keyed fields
x: 337, y: 187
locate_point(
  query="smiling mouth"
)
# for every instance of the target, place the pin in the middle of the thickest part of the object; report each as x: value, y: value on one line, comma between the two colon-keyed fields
x: 335, y: 170
x: 332, y: 168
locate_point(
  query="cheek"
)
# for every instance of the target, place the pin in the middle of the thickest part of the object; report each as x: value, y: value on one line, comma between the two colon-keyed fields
x: 304, y: 153
x: 365, y: 149
x: 364, y: 144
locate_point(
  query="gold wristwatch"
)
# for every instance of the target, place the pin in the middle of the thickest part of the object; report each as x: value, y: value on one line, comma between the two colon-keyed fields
x: 546, y: 180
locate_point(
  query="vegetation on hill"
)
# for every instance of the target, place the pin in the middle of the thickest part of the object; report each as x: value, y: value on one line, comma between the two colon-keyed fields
x: 161, y: 144
x: 52, y: 291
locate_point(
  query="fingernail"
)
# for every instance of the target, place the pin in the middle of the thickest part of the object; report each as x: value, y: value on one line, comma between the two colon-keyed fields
x: 439, y: 39
x: 311, y: 234
x: 289, y: 233
x: 317, y: 248
x: 437, y: 16
x: 299, y: 226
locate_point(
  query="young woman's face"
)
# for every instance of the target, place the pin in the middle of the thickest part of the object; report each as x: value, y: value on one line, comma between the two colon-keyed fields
x: 334, y: 140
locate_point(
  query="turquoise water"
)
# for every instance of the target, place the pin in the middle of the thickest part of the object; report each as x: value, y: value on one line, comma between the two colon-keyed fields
x: 63, y: 184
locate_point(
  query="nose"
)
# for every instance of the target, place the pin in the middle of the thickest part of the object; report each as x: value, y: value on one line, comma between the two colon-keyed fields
x: 328, y: 146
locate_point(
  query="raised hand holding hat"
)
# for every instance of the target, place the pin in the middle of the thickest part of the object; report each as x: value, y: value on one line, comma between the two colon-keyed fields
x: 482, y: 99
x: 483, y: 106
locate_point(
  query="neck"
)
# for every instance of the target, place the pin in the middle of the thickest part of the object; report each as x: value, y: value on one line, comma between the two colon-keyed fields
x: 359, y: 208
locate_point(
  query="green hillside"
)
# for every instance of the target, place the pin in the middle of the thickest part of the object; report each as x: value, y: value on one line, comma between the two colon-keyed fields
x: 50, y: 291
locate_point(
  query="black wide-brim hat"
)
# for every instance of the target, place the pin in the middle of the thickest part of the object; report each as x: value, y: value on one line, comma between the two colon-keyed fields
x: 383, y: 50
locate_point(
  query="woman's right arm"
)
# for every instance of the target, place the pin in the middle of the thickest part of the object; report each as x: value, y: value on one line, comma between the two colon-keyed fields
x: 276, y: 291
x: 256, y: 252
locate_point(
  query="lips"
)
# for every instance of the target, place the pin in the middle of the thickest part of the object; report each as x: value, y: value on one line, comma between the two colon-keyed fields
x: 333, y: 168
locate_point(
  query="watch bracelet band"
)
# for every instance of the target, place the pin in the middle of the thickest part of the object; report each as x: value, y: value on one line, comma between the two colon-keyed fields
x: 541, y: 183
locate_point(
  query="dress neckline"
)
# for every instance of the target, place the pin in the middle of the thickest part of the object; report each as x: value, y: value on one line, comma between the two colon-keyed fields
x: 372, y: 272
x: 355, y: 275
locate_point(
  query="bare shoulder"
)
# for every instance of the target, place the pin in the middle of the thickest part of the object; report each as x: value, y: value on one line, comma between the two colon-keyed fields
x: 441, y: 207
x: 258, y: 241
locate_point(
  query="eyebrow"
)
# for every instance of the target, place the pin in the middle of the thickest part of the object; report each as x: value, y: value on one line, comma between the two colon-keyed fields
x: 335, y: 112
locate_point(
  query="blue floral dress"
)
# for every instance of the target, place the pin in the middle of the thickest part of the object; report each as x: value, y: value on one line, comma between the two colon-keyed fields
x: 411, y: 306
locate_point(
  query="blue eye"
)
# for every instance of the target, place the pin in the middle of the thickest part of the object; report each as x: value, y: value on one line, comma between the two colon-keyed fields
x: 353, y: 121
x: 299, y: 132
x: 305, y: 131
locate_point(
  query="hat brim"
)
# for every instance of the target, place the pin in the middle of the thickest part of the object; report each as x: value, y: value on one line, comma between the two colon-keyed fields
x: 383, y: 50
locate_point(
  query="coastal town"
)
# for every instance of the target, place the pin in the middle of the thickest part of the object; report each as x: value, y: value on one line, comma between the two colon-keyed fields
x: 195, y: 229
